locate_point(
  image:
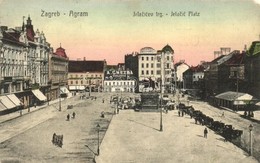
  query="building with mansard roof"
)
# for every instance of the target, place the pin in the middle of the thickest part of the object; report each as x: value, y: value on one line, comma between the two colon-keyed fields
x: 85, y: 75
x: 58, y: 74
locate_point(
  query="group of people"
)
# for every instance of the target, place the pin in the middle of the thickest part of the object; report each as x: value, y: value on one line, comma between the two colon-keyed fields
x: 73, y: 116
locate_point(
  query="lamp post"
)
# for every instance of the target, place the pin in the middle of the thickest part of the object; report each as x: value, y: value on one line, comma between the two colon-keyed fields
x: 251, y: 140
x: 161, y: 125
x: 59, y: 97
x: 98, y: 127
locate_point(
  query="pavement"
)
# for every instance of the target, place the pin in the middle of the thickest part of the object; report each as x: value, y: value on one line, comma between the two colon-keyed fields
x: 134, y: 137
x: 16, y: 114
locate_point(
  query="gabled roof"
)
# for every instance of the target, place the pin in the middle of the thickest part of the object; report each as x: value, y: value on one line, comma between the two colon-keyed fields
x: 237, y: 58
x: 180, y: 63
x: 12, y: 36
x: 198, y: 68
x: 233, y: 96
x: 86, y: 66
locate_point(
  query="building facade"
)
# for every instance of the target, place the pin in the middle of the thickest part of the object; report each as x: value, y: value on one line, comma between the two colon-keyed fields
x: 24, y: 65
x: 252, y: 67
x: 225, y: 73
x: 58, y: 74
x: 155, y: 69
x: 86, y: 75
x: 179, y: 68
x: 119, y: 81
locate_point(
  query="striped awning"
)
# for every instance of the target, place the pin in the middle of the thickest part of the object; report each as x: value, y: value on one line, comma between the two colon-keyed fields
x: 14, y: 99
x: 7, y: 102
x: 39, y: 95
x: 2, y: 107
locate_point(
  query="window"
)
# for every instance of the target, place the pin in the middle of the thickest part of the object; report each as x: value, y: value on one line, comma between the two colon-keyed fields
x: 168, y: 58
x: 158, y: 72
x: 81, y: 81
x: 76, y: 82
x: 71, y: 82
x: 147, y: 72
x: 142, y: 58
x: 142, y: 72
x: 147, y: 58
x: 151, y: 72
x: 158, y: 65
x: 147, y: 65
x: 142, y: 65
x: 168, y: 65
x: 152, y: 58
x: 151, y: 65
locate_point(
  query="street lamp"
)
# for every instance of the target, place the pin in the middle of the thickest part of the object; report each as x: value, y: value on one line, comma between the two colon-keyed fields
x: 161, y: 125
x: 98, y: 127
x: 251, y: 141
x: 59, y: 97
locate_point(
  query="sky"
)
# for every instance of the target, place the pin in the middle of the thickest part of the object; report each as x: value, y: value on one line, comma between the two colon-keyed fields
x: 110, y: 30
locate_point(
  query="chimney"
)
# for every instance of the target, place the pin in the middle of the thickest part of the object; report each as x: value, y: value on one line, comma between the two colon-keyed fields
x: 245, y: 48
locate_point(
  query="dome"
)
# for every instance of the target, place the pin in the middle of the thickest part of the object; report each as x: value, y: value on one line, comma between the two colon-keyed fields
x: 147, y: 50
x: 168, y: 48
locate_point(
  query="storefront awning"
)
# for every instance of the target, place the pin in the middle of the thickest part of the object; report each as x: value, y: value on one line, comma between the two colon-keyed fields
x: 64, y: 90
x: 39, y: 95
x: 2, y: 107
x: 7, y: 102
x: 77, y: 87
x: 14, y: 99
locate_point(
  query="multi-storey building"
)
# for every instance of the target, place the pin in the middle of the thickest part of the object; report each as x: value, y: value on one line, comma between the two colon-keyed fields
x: 86, y: 75
x: 155, y: 69
x: 24, y: 67
x: 58, y: 74
x: 225, y: 73
x: 119, y: 81
x: 131, y: 64
x: 252, y: 67
x: 179, y: 68
x: 13, y: 54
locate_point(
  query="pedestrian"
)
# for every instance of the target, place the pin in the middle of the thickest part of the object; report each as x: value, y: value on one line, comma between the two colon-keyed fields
x: 54, y: 138
x: 102, y: 114
x: 103, y: 100
x: 205, y: 133
x: 245, y: 113
x: 179, y: 113
x: 182, y: 113
x: 68, y: 117
x: 73, y: 115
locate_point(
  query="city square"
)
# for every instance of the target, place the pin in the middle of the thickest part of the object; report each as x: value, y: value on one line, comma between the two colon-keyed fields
x: 126, y: 136
x: 122, y: 81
